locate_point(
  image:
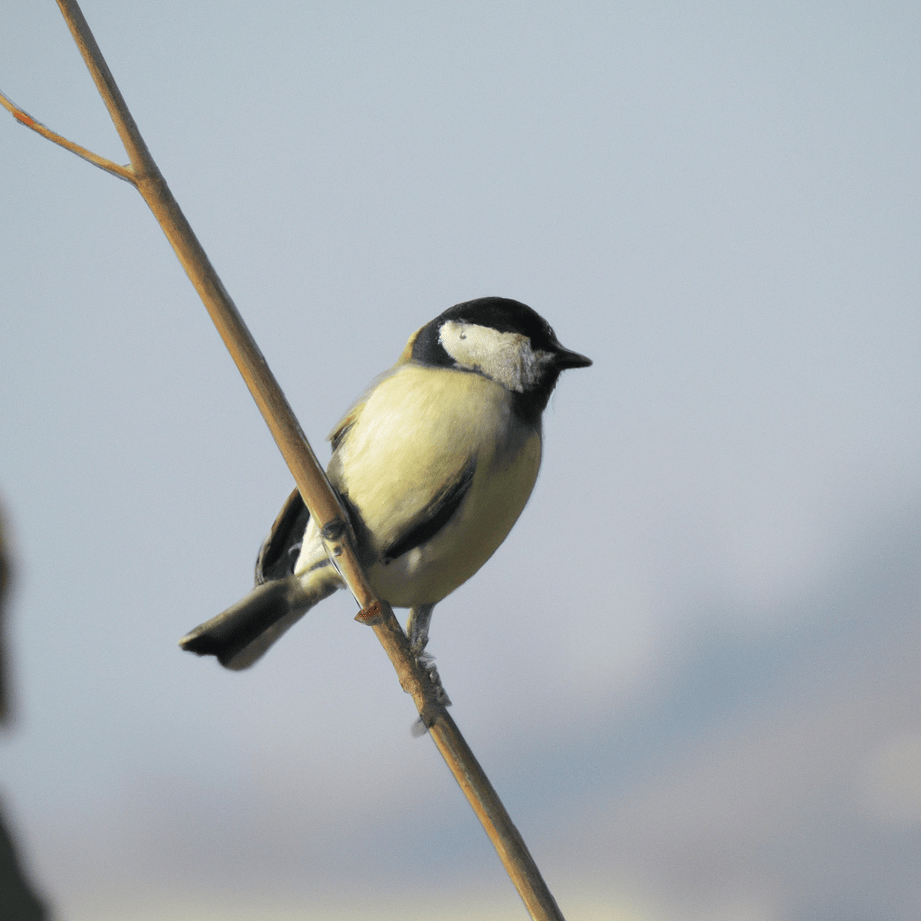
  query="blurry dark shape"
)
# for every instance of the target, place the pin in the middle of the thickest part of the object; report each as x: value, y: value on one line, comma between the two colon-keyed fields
x: 5, y: 570
x: 18, y: 901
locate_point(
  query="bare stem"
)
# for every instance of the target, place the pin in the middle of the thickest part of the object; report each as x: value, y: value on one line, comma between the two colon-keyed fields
x: 23, y: 117
x: 311, y: 480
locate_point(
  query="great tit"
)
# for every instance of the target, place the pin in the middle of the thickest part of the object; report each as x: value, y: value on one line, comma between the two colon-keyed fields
x: 434, y: 463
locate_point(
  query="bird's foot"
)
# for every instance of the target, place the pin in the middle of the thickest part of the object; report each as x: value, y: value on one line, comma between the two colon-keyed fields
x: 436, y: 696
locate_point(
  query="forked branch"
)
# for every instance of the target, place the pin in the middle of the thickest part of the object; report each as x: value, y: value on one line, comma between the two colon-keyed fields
x: 23, y: 117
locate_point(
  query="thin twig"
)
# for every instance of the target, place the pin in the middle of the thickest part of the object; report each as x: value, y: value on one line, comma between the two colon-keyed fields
x: 312, y: 482
x: 23, y: 117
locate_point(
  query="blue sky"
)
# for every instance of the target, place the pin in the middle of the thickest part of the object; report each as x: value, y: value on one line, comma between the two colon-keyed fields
x: 692, y: 670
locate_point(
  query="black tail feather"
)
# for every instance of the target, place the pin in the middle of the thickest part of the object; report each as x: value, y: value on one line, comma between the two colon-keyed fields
x: 228, y: 634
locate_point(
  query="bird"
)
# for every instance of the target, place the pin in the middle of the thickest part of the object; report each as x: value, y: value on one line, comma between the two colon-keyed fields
x: 434, y: 464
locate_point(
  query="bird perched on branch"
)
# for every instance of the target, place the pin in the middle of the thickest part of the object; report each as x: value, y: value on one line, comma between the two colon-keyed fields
x: 434, y: 464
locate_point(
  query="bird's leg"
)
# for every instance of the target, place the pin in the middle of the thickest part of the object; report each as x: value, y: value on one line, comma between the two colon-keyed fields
x: 417, y: 629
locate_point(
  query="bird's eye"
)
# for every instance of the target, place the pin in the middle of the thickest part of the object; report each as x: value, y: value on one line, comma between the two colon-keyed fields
x: 463, y: 335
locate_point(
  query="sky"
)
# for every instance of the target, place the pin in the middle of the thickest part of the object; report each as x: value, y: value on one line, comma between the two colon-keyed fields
x: 692, y: 670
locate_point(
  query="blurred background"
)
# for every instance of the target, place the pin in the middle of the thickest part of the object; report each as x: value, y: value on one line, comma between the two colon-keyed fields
x: 692, y: 671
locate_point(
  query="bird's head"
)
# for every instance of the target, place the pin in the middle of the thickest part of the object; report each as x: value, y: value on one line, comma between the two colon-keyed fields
x: 503, y: 340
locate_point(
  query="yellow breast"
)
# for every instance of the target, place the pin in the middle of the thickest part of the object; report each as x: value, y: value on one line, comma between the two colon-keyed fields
x: 418, y: 429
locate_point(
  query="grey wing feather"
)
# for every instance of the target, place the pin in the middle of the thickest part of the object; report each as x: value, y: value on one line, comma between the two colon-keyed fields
x: 279, y: 551
x: 435, y: 516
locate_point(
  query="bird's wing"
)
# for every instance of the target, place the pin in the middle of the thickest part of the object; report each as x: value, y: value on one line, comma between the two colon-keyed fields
x: 279, y: 551
x: 427, y: 523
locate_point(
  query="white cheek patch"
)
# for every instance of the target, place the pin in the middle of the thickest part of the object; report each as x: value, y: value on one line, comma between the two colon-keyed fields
x: 507, y: 358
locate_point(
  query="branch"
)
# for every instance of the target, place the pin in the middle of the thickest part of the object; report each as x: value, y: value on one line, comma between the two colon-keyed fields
x: 311, y: 480
x: 23, y: 117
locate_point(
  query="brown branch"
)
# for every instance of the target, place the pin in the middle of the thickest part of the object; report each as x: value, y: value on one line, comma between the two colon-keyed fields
x: 23, y: 117
x: 311, y: 482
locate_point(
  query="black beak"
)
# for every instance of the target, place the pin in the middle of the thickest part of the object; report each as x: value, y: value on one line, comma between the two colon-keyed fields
x: 566, y: 359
